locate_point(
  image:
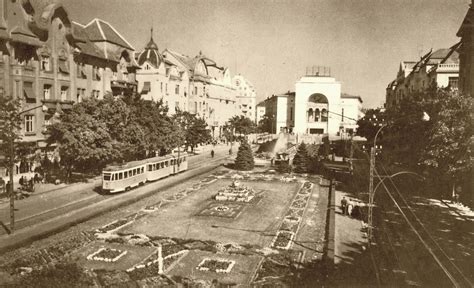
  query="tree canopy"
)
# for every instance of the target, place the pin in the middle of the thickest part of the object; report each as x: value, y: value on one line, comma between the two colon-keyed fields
x: 301, y: 159
x: 242, y: 125
x: 194, y: 130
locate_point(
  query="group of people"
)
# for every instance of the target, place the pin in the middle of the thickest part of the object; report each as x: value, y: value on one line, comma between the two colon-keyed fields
x: 29, y: 184
x: 350, y: 208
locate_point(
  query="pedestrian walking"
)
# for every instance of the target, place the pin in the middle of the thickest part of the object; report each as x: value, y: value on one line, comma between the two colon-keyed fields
x: 21, y: 181
x: 343, y: 205
x: 212, y: 153
x: 36, y: 178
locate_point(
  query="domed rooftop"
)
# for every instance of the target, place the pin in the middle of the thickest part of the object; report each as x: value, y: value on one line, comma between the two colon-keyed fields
x: 151, y: 53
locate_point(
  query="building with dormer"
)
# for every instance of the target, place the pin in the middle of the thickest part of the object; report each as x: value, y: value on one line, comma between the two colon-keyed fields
x: 246, y: 97
x: 439, y: 68
x: 47, y: 59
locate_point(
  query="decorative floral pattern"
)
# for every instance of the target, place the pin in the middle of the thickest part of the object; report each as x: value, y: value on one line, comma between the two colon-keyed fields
x: 216, y: 265
x: 106, y: 255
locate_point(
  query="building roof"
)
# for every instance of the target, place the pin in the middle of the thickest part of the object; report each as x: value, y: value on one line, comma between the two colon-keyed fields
x: 99, y: 30
x: 150, y: 54
x: 83, y: 42
x: 467, y: 23
x: 347, y: 96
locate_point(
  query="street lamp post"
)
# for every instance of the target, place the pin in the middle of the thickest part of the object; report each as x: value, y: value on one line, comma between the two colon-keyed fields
x: 425, y: 117
x: 12, y: 168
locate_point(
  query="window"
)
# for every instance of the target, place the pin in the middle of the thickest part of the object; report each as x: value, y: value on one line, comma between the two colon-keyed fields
x: 81, y: 71
x: 161, y: 87
x: 195, y: 90
x: 176, y: 105
x: 120, y: 176
x: 125, y: 175
x: 45, y: 63
x: 291, y: 113
x: 95, y: 94
x: 453, y: 82
x: 46, y: 91
x: 176, y: 89
x: 16, y: 87
x: 106, y: 176
x: 29, y: 123
x: 195, y: 106
x: 143, y: 170
x: 62, y: 66
x: 64, y: 91
x: 166, y: 88
x: 95, y: 73
x: 79, y: 97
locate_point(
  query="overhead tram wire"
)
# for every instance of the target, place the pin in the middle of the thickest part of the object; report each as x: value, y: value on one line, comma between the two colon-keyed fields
x: 438, y: 261
x: 426, y: 231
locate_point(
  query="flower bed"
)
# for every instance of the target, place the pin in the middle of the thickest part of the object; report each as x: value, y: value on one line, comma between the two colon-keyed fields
x: 298, y: 204
x: 295, y: 212
x: 106, y: 255
x: 117, y: 224
x: 283, y: 240
x: 216, y: 265
x: 289, y: 226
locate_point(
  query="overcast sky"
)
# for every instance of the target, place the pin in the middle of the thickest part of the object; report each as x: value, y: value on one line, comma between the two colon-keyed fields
x: 272, y: 42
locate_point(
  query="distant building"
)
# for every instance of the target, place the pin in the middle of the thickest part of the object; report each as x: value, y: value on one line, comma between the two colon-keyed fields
x: 161, y: 79
x: 316, y: 107
x: 246, y: 97
x: 466, y: 51
x: 259, y: 112
x: 440, y: 68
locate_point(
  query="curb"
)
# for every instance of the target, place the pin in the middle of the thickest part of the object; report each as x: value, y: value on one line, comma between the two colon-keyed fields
x: 25, y: 235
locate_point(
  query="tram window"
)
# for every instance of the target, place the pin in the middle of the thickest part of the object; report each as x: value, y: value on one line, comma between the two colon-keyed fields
x: 167, y: 164
x: 143, y: 170
x: 162, y: 164
x: 113, y: 177
x: 150, y: 167
x: 107, y: 177
x: 130, y: 173
x: 120, y: 176
x: 134, y: 172
x: 125, y: 175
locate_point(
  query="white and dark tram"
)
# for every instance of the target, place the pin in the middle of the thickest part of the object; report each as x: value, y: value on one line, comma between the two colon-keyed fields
x: 124, y: 177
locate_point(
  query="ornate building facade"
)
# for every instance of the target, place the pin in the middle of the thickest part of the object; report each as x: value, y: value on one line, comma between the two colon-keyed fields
x: 48, y: 60
x: 440, y: 68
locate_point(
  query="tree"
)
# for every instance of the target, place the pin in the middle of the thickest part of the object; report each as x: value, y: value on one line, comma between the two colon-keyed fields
x: 370, y: 123
x: 242, y: 125
x: 266, y: 124
x: 59, y: 275
x: 244, y: 160
x: 10, y: 123
x: 439, y: 147
x: 84, y: 141
x: 194, y: 129
x: 301, y: 159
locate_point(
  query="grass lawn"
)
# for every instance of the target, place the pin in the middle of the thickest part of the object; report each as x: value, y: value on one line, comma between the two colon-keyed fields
x: 256, y: 224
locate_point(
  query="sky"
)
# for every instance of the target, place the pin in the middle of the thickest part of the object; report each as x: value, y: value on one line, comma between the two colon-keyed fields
x: 271, y: 42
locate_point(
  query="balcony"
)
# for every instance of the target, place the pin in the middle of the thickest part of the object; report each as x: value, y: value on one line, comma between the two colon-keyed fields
x: 122, y: 87
x: 453, y: 67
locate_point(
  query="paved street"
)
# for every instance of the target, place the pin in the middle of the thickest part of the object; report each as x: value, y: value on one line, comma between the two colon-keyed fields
x: 46, y: 205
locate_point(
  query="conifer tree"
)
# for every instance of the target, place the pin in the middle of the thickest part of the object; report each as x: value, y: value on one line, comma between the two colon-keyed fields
x: 244, y: 160
x: 301, y: 159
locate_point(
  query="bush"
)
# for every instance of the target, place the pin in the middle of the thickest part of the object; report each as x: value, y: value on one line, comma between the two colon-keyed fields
x: 284, y: 167
x: 60, y: 275
x: 244, y: 160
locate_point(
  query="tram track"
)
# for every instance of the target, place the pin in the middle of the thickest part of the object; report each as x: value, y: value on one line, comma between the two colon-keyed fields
x: 424, y: 258
x: 95, y: 197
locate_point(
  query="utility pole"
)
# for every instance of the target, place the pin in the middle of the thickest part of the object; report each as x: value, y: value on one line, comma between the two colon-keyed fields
x: 12, y: 194
x: 371, y: 192
x: 352, y: 152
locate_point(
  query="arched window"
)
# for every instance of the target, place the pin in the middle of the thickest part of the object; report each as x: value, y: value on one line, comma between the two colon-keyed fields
x: 324, y: 115
x: 317, y: 115
x: 310, y: 115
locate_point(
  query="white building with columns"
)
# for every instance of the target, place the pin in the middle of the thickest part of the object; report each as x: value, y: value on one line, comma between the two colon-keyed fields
x: 316, y: 107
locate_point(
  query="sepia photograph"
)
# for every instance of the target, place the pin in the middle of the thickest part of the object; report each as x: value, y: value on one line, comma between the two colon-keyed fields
x: 236, y: 143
